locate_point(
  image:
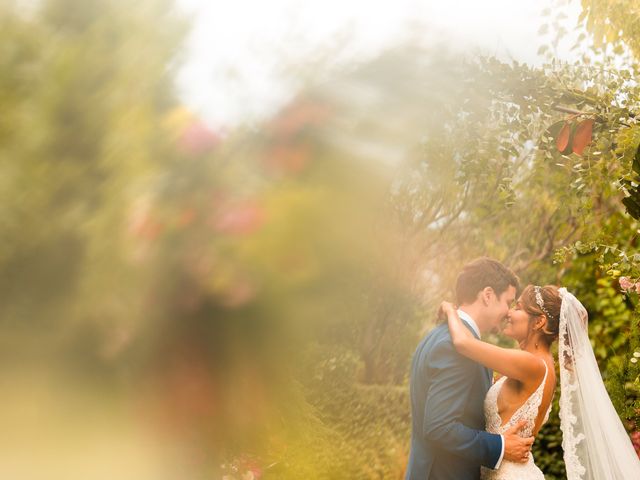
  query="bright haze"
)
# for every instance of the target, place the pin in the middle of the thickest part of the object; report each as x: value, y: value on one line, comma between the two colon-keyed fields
x: 240, y: 55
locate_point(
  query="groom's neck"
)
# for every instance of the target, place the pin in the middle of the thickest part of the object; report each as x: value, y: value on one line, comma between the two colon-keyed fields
x: 474, y: 311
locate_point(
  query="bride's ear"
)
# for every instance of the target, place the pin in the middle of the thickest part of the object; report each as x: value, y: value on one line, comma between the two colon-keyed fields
x: 541, y: 323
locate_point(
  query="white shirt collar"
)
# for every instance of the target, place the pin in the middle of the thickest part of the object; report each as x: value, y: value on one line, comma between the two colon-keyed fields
x: 467, y: 318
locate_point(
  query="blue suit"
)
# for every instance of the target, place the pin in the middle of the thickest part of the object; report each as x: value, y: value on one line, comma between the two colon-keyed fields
x: 448, y: 438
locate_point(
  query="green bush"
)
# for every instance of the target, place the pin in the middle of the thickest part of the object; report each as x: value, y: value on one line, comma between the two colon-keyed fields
x: 372, y: 423
x: 374, y: 420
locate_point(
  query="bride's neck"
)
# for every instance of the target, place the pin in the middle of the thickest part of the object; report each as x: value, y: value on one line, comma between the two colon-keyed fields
x: 534, y: 346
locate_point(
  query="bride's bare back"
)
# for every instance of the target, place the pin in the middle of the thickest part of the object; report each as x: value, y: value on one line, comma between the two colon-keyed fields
x: 514, y: 393
x: 509, y: 402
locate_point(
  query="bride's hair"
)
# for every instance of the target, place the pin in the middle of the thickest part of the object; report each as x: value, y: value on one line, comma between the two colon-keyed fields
x: 551, y: 301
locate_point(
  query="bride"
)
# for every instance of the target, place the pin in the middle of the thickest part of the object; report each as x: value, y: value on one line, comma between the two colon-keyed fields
x: 595, y: 443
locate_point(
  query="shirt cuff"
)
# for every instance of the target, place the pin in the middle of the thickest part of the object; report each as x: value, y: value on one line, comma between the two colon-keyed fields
x: 501, y: 455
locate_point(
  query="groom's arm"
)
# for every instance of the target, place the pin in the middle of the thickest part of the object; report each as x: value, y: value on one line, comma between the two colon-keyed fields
x: 451, y: 379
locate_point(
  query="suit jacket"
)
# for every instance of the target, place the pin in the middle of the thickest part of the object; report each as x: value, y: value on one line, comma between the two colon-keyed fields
x: 448, y: 437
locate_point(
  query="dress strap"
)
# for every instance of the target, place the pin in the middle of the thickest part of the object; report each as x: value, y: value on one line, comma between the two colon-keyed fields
x: 546, y: 372
x: 538, y: 394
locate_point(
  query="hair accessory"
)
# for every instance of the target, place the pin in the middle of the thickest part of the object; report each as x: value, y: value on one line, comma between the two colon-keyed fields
x: 540, y: 301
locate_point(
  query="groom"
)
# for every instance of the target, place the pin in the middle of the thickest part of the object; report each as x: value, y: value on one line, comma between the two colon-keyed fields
x: 448, y: 438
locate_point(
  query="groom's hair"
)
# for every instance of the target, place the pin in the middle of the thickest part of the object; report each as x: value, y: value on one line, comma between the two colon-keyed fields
x: 481, y: 273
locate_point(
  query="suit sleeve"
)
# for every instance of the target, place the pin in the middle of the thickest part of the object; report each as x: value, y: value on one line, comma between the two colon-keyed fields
x: 451, y: 378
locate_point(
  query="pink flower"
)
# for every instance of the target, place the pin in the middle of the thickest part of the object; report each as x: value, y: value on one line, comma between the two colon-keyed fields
x: 240, y: 219
x: 197, y: 139
x: 625, y: 283
x: 635, y: 440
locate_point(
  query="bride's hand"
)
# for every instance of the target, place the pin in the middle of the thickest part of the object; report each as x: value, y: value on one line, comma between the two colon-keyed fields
x: 445, y: 309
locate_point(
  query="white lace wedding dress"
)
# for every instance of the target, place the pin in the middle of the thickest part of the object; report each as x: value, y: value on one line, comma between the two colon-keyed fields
x: 527, y: 411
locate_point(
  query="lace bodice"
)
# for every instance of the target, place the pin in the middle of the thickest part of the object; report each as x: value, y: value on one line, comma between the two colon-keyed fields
x: 527, y: 411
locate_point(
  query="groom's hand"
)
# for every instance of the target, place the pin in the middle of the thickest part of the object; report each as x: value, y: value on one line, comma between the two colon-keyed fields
x: 517, y: 448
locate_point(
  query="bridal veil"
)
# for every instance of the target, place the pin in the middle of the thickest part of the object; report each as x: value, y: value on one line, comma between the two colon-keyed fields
x: 595, y: 443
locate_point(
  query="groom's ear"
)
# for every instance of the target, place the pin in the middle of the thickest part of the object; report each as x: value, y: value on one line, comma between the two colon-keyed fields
x: 485, y: 295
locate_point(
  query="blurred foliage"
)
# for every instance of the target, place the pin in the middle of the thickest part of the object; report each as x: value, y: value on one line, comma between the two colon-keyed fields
x: 547, y: 449
x: 613, y: 24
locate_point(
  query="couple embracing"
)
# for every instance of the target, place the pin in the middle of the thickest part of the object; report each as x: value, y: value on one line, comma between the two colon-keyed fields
x: 466, y: 427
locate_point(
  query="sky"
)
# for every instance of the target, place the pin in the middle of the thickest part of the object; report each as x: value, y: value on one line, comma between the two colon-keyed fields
x: 238, y: 53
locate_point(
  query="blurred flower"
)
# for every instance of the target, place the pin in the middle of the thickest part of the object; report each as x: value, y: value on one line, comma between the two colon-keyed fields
x: 187, y: 216
x: 626, y: 284
x: 141, y: 223
x: 296, y: 116
x: 241, y: 218
x: 239, y: 294
x: 197, y: 139
x: 248, y: 466
x: 288, y: 158
x: 635, y: 439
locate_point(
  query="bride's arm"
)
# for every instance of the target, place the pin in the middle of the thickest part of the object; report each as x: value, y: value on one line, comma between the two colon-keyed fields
x: 512, y: 363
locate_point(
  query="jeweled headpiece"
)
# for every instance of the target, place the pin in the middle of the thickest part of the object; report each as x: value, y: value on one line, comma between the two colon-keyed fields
x: 540, y: 301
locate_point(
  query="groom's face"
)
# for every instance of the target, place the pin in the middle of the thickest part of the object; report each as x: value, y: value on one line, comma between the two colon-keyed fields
x: 499, y: 306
